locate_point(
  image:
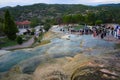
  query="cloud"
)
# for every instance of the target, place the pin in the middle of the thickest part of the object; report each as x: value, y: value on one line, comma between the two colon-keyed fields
x: 28, y: 2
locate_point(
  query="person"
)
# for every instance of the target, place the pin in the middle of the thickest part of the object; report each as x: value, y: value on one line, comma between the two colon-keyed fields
x: 112, y: 31
x: 104, y: 32
x: 94, y: 34
x: 118, y: 34
x: 102, y: 35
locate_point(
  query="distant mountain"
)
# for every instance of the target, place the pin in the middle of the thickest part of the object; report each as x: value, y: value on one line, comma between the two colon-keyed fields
x: 111, y: 5
x: 46, y: 10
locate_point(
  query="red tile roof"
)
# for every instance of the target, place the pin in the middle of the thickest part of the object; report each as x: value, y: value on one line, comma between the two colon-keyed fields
x: 23, y: 23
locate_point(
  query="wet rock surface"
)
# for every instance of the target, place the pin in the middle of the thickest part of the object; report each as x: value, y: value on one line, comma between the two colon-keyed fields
x: 78, y: 67
x: 58, y: 48
x: 78, y: 58
x: 94, y: 73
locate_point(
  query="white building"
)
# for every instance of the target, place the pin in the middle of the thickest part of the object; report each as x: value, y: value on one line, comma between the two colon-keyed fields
x: 23, y: 26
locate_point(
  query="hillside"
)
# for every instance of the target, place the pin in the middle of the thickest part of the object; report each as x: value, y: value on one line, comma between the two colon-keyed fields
x: 43, y: 11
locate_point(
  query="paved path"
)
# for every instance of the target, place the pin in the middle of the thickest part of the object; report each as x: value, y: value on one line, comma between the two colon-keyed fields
x: 110, y: 38
x: 113, y: 39
x: 24, y: 45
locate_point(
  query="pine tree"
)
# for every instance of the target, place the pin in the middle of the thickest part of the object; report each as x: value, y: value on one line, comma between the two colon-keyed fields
x: 10, y: 28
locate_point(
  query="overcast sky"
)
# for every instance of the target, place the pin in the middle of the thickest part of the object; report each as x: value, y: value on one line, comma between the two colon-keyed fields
x: 4, y: 3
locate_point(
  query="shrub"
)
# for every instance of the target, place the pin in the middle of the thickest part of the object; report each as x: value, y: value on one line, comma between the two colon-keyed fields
x: 19, y: 40
x: 47, y: 27
x: 33, y: 32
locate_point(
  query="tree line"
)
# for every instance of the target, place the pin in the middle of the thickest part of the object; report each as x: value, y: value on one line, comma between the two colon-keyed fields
x: 90, y: 18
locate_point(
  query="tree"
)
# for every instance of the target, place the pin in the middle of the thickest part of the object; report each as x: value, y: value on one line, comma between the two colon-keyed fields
x: 19, y: 40
x: 58, y: 20
x: 1, y: 20
x: 10, y: 28
x: 33, y: 31
x: 67, y: 19
x: 34, y: 22
x: 98, y: 22
x: 1, y: 29
x: 47, y: 27
x: 90, y: 18
x: 79, y: 18
x: 74, y: 19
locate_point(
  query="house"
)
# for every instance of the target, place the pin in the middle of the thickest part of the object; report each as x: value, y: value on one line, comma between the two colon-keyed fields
x: 23, y: 26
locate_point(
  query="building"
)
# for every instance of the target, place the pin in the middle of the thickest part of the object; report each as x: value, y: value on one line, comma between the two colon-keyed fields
x: 23, y: 26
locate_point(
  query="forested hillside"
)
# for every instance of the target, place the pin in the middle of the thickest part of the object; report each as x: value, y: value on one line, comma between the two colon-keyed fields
x: 106, y: 13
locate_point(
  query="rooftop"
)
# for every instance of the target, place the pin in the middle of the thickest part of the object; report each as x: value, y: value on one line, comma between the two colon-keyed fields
x: 26, y: 22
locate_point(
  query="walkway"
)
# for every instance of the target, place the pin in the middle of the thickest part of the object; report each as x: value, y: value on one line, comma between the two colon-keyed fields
x: 113, y: 39
x: 110, y: 38
x: 24, y: 45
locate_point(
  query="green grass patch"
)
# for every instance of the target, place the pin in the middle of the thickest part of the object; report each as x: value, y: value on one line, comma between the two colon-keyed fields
x: 75, y: 27
x: 65, y: 27
x: 5, y: 42
x: 79, y: 27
